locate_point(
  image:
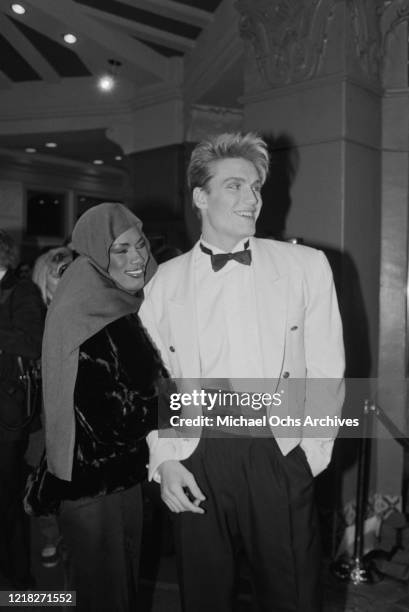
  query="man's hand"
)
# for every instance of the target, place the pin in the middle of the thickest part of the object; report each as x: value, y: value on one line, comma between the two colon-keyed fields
x: 179, y: 489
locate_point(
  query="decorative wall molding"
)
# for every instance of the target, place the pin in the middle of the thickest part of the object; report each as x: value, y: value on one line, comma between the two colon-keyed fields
x: 289, y: 37
x: 397, y: 93
x: 394, y: 13
x: 204, y: 120
x: 365, y: 22
x: 374, y: 23
x: 317, y: 83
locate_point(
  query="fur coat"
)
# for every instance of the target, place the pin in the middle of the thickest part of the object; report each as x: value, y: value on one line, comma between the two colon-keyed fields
x: 116, y: 397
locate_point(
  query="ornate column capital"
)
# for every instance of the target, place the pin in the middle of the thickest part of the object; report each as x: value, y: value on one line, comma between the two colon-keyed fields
x: 288, y: 37
x: 291, y: 38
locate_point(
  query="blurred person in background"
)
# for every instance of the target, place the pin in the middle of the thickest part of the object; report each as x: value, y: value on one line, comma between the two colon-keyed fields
x: 23, y: 270
x: 47, y: 272
x: 48, y: 269
x: 21, y: 329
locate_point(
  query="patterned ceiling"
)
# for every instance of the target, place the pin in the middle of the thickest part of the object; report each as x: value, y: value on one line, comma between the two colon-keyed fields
x: 142, y: 35
x: 32, y: 46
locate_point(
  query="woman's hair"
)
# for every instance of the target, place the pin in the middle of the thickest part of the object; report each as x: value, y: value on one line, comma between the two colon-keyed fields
x: 223, y: 146
x: 48, y: 269
x: 8, y: 251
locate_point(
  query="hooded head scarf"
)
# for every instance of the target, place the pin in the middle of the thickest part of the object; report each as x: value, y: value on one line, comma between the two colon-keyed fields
x: 87, y: 299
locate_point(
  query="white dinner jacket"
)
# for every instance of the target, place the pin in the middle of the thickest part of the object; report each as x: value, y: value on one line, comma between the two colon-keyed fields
x: 299, y: 326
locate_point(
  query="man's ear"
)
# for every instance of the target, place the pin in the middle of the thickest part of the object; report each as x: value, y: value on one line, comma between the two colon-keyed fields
x: 199, y: 198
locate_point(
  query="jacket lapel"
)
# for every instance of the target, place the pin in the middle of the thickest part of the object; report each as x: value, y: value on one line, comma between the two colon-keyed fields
x: 182, y: 313
x: 271, y: 291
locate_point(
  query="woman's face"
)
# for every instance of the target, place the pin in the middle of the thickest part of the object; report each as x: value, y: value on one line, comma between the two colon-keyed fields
x: 128, y: 257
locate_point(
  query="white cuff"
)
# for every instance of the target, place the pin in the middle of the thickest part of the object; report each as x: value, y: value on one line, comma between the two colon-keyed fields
x: 166, y: 448
x: 318, y: 452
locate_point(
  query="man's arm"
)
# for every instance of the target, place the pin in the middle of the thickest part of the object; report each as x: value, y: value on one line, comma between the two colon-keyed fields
x: 148, y: 315
x: 179, y: 490
x: 325, y: 362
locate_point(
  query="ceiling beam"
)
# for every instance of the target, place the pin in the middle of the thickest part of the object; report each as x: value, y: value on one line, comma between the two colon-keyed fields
x: 154, y: 35
x: 173, y: 10
x: 94, y: 57
x: 216, y: 50
x: 52, y: 29
x: 123, y: 48
x: 27, y: 50
x: 91, y: 56
x: 88, y: 52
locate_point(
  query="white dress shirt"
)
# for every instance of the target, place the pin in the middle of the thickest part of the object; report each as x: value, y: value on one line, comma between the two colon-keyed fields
x: 229, y: 341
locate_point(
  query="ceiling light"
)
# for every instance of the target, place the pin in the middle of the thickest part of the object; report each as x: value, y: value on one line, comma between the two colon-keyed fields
x: 51, y: 145
x: 106, y: 82
x: 70, y: 39
x: 18, y: 9
x: 109, y: 80
x: 98, y: 162
x: 31, y: 150
x: 118, y: 157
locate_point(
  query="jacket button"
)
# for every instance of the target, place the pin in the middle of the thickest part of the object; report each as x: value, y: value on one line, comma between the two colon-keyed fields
x: 294, y: 327
x: 172, y: 349
x: 286, y: 374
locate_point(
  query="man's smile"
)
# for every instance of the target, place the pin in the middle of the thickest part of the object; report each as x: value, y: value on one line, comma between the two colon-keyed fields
x: 248, y: 214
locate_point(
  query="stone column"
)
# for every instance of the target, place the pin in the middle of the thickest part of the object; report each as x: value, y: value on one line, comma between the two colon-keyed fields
x: 314, y: 84
x: 393, y: 326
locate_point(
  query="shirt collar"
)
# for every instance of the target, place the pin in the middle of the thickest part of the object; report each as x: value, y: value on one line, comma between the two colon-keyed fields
x: 215, y: 250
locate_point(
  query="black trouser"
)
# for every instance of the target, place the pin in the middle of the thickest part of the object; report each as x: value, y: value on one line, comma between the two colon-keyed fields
x: 102, y: 539
x: 258, y: 503
x: 14, y: 524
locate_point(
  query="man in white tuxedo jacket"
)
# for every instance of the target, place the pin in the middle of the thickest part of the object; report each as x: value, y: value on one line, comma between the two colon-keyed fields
x: 236, y: 307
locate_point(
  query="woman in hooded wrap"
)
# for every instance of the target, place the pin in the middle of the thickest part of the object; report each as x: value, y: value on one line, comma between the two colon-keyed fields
x: 101, y: 381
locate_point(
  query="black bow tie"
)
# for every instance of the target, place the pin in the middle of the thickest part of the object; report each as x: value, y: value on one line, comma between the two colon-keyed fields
x: 219, y: 260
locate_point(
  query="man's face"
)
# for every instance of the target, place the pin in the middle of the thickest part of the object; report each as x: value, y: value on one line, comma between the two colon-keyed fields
x: 231, y: 202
